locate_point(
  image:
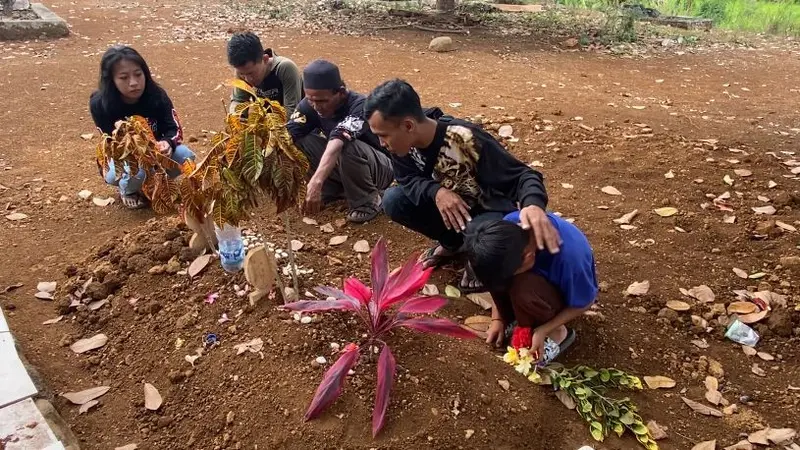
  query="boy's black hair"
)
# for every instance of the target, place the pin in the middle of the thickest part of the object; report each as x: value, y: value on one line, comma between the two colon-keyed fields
x: 110, y: 97
x: 244, y: 48
x: 495, y: 250
x: 395, y: 99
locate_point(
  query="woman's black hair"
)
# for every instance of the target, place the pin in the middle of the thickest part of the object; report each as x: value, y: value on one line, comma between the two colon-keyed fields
x: 110, y: 97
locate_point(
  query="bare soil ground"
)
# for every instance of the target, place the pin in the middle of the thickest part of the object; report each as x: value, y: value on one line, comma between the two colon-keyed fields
x: 587, y: 119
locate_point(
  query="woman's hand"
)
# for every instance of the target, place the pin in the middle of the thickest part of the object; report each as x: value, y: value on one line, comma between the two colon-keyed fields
x: 495, y: 335
x: 164, y: 147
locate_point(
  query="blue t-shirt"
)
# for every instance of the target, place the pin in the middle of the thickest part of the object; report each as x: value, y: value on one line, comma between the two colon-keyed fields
x: 571, y: 270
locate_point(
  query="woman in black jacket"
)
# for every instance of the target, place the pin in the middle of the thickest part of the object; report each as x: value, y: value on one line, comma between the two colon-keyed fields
x: 126, y: 89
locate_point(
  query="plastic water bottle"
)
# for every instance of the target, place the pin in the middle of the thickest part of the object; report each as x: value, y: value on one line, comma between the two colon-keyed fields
x: 231, y: 248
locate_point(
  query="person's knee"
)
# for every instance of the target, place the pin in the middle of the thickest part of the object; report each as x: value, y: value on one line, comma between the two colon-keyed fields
x: 396, y: 203
x: 182, y: 153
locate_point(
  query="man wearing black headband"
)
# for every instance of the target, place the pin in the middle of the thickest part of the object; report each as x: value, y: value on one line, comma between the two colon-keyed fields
x: 273, y: 77
x: 346, y: 158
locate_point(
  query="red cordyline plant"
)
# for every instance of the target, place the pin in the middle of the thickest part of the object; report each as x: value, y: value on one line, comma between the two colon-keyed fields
x: 390, y: 303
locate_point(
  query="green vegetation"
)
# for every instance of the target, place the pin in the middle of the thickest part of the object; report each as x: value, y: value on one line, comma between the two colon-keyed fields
x: 759, y: 16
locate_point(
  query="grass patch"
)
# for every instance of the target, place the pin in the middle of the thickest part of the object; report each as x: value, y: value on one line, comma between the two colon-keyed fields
x: 758, y: 16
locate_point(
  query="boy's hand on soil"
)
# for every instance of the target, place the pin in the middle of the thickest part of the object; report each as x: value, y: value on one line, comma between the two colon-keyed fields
x: 494, y: 335
x: 313, y: 201
x: 454, y: 210
x: 535, y: 219
x: 537, y: 345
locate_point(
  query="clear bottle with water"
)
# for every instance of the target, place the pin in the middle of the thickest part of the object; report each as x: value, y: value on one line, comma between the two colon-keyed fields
x: 231, y: 247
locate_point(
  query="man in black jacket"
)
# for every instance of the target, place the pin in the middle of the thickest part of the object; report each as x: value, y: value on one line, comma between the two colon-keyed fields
x: 346, y: 158
x: 452, y: 176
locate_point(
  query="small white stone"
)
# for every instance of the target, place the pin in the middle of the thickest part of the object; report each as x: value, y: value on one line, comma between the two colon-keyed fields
x: 297, y: 316
x: 351, y: 372
x: 335, y: 346
x: 321, y: 360
x: 241, y: 293
x: 236, y: 287
x: 305, y: 320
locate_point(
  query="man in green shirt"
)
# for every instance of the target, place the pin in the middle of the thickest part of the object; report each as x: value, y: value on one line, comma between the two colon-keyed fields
x: 273, y: 77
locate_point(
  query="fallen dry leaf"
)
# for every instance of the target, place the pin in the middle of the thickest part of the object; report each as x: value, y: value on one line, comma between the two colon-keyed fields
x: 337, y: 240
x: 87, y: 136
x: 567, y: 186
x: 14, y: 217
x: 729, y: 219
x: 309, y: 221
x: 669, y: 175
x: 765, y: 356
x: 754, y: 317
x: 94, y: 306
x: 742, y: 172
x: 504, y: 384
x: 253, y: 346
x: 757, y: 275
x: 740, y: 273
x: 85, y: 194
x: 761, y: 198
x: 628, y: 227
x: 707, y: 445
x: 52, y: 321
x: 361, y: 247
x: 785, y: 226
x: 638, y: 288
x: 327, y: 228
x: 43, y: 295
x: 102, y: 201
x: 700, y: 343
x: 759, y: 437
x: 742, y: 308
x: 677, y: 305
x: 482, y: 299
x: 452, y: 291
x: 152, y: 399
x: 758, y: 370
x: 340, y: 223
x: 86, y: 406
x: 198, y: 265
x: 627, y: 218
x: 565, y: 399
x: 711, y: 383
x: 702, y: 293
x: 771, y: 184
x: 610, y: 190
x: 781, y: 435
x: 749, y: 351
x: 666, y: 211
x: 741, y: 445
x: 656, y: 431
x: 701, y: 408
x: 730, y: 410
x: 430, y: 289
x: 46, y: 286
x: 659, y: 382
x: 478, y: 323
x: 128, y: 447
x: 79, y: 398
x: 505, y: 131
x: 296, y: 245
x: 84, y: 345
x: 768, y: 210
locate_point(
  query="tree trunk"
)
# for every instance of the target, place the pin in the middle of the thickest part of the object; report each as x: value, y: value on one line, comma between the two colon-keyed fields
x: 445, y: 6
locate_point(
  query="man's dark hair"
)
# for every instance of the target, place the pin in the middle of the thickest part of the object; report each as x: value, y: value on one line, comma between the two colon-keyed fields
x: 244, y: 48
x: 495, y: 251
x: 395, y: 99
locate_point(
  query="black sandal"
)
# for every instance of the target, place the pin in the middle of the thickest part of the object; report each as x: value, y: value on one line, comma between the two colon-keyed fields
x: 133, y: 201
x: 429, y: 258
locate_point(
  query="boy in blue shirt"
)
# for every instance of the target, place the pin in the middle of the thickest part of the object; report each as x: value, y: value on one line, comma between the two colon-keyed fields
x: 535, y: 292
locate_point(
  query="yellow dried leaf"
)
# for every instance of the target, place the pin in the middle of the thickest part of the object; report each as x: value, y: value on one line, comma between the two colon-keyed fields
x: 452, y: 291
x: 659, y: 382
x: 666, y: 211
x: 85, y: 396
x: 711, y: 383
x: 742, y: 308
x: 478, y: 323
x: 677, y: 305
x: 701, y: 408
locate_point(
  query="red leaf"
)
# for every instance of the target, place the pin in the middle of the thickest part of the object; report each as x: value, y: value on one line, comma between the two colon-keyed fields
x: 331, y: 386
x: 322, y: 305
x: 356, y: 289
x: 386, y: 371
x: 380, y: 268
x: 423, y: 305
x: 439, y: 326
x: 405, y: 282
x: 337, y: 294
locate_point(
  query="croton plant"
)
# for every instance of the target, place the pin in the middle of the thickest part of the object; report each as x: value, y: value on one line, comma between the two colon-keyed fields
x: 392, y: 301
